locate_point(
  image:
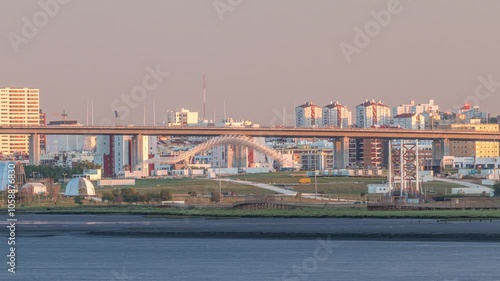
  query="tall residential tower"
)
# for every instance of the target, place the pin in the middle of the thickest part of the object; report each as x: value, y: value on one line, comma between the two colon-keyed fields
x: 18, y: 107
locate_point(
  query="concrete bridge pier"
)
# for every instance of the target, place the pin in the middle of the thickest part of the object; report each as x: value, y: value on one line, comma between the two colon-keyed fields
x: 341, y: 153
x: 34, y: 149
x: 139, y: 152
x: 440, y: 148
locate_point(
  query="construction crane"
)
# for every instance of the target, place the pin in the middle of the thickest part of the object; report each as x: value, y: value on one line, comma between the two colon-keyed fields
x: 63, y: 115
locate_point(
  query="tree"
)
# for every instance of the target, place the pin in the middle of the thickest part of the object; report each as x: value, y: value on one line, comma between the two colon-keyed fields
x: 79, y: 199
x: 496, y: 188
x: 108, y: 196
x: 84, y: 165
x: 28, y: 194
x: 215, y: 196
x: 151, y: 196
x: 129, y: 195
x: 117, y: 198
x: 44, y: 171
x: 53, y: 191
x: 141, y: 197
x: 165, y: 195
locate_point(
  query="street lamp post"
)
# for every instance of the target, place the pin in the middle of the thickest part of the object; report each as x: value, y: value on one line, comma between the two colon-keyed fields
x: 316, y: 160
x: 220, y: 188
x: 496, y: 158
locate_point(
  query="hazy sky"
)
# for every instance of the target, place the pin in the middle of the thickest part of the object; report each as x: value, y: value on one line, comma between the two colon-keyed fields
x: 258, y: 56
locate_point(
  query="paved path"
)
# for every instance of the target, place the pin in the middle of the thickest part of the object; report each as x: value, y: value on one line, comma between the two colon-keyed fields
x: 462, y: 183
x: 282, y: 190
x: 264, y: 186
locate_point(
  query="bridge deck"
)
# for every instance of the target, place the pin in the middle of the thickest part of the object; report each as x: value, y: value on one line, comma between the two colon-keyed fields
x: 255, y: 132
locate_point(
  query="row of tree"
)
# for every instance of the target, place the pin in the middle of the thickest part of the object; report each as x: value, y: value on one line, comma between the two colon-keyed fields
x: 58, y: 172
x: 131, y: 195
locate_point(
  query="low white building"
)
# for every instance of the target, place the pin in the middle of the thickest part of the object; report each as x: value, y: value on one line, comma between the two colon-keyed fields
x: 378, y: 188
x: 411, y: 121
x: 92, y: 174
x: 473, y: 191
x: 37, y: 188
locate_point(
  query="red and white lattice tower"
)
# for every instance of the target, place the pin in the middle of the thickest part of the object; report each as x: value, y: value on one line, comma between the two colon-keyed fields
x: 403, y: 176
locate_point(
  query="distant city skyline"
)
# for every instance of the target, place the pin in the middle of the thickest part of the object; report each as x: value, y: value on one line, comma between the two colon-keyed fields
x: 259, y: 57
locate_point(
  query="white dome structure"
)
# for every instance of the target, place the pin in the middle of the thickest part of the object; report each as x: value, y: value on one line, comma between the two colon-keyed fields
x: 79, y: 186
x: 4, y: 175
x: 7, y: 166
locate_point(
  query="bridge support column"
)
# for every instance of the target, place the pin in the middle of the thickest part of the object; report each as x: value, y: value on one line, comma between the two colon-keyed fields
x: 34, y: 149
x: 139, y: 152
x: 440, y: 148
x: 341, y: 153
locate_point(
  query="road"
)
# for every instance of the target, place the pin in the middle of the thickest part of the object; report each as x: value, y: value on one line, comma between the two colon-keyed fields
x: 462, y: 183
x: 285, y: 191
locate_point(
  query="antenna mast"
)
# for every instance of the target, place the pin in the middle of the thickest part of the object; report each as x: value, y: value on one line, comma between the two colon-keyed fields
x: 204, y: 97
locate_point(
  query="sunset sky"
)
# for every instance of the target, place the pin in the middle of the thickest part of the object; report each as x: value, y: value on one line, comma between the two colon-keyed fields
x: 258, y: 56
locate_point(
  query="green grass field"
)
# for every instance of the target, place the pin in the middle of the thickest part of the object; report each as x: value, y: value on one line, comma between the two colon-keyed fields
x: 185, y: 185
x: 335, y: 186
x: 332, y: 185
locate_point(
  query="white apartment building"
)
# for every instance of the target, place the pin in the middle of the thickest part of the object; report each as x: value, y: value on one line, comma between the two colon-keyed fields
x: 412, y: 107
x: 411, y: 121
x: 184, y: 117
x: 337, y: 115
x: 308, y: 115
x: 373, y: 113
x: 116, y: 153
x: 18, y: 106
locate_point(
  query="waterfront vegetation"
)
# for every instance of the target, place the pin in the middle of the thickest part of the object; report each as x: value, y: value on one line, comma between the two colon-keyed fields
x: 345, y: 211
x: 340, y: 212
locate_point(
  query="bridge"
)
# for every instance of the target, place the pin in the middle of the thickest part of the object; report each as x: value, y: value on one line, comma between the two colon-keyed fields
x: 218, y: 141
x: 340, y: 136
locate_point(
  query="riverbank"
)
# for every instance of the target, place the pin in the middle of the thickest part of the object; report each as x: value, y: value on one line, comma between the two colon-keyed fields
x: 45, y: 225
x: 338, y: 212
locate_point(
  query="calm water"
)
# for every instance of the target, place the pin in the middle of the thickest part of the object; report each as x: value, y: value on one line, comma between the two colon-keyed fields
x: 74, y: 257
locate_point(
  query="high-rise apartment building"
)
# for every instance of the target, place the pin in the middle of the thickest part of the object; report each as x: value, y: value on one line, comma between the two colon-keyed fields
x: 18, y: 107
x: 370, y: 153
x: 117, y: 155
x: 308, y: 115
x: 337, y: 115
x: 372, y: 113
